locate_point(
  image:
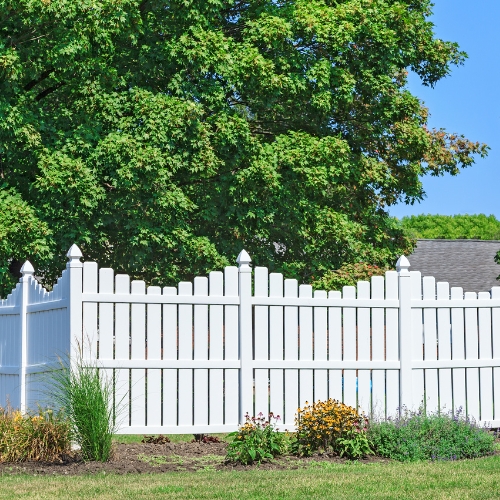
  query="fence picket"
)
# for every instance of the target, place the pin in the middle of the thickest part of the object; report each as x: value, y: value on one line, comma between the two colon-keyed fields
x: 364, y: 348
x: 306, y: 389
x: 138, y: 352
x: 320, y: 385
x: 392, y: 343
x: 471, y: 352
x: 231, y: 348
x: 122, y: 348
x: 169, y: 352
x: 291, y: 354
x: 185, y: 353
x: 418, y: 340
x: 458, y: 351
x: 444, y: 348
x: 430, y: 344
x: 106, y: 323
x: 201, y: 353
x: 261, y: 342
x: 377, y: 407
x: 88, y: 341
x: 335, y: 350
x: 216, y: 333
x: 276, y: 381
x: 485, y: 352
x: 349, y: 335
x: 153, y: 349
x: 495, y: 333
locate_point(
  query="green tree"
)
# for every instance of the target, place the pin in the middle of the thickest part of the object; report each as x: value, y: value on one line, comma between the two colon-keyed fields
x: 479, y: 227
x: 348, y: 275
x: 162, y: 137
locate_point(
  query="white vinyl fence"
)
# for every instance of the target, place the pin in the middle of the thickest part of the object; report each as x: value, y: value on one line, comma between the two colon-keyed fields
x: 195, y: 358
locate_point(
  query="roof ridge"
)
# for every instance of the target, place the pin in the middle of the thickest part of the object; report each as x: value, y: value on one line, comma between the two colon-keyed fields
x: 458, y: 239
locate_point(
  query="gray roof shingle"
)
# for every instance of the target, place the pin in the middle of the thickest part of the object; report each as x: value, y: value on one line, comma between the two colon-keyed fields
x: 465, y: 263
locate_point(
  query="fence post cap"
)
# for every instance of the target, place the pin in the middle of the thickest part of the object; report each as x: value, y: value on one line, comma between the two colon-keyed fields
x: 402, y: 265
x: 74, y: 255
x: 27, y: 269
x: 243, y: 259
x: 74, y: 252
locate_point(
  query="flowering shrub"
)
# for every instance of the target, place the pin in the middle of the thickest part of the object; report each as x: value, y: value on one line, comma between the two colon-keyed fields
x: 415, y: 435
x: 45, y: 436
x: 331, y: 425
x: 257, y: 440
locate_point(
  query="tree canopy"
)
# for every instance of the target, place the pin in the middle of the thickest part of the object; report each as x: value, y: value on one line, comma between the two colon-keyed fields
x: 477, y: 227
x: 164, y: 136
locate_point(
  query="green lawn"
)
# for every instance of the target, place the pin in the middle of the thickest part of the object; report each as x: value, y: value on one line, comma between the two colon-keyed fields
x: 471, y: 479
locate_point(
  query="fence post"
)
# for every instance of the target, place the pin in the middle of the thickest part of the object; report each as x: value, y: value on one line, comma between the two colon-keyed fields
x: 405, y: 334
x: 75, y: 271
x: 245, y: 334
x: 27, y: 272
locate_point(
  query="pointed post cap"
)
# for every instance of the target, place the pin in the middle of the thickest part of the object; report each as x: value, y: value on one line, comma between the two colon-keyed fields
x: 403, y: 265
x: 244, y: 260
x: 27, y: 269
x: 74, y: 255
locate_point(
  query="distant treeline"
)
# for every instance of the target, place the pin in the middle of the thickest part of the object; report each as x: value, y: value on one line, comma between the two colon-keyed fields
x: 480, y: 227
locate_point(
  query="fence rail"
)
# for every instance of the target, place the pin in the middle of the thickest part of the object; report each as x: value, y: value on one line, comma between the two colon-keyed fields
x: 197, y: 357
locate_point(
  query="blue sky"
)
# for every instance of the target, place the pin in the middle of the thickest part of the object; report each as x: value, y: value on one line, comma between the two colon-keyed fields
x: 467, y: 102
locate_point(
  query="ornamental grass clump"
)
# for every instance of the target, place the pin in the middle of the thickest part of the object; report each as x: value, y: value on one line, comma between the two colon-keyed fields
x: 417, y: 435
x: 86, y: 396
x: 257, y: 440
x: 44, y: 436
x: 331, y: 426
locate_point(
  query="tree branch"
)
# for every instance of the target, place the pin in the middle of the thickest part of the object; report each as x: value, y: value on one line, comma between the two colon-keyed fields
x: 48, y: 91
x: 43, y: 76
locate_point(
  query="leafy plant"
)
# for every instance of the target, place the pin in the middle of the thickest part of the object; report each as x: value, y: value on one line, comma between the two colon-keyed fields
x: 354, y: 443
x: 86, y: 396
x: 257, y: 440
x: 349, y: 275
x: 415, y: 435
x: 161, y: 439
x: 205, y: 438
x: 331, y: 425
x: 44, y: 436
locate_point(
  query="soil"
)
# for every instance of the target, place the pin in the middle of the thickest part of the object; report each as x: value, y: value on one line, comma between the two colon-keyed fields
x: 147, y: 458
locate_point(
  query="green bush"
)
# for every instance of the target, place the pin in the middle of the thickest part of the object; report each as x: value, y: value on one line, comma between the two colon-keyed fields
x: 414, y: 436
x: 257, y: 440
x: 44, y: 436
x: 86, y: 396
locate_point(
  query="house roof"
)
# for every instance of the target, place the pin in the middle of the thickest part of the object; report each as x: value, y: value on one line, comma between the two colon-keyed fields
x: 465, y: 263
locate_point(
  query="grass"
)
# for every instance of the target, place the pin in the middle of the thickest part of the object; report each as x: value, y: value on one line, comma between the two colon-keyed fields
x: 156, y: 460
x: 468, y: 479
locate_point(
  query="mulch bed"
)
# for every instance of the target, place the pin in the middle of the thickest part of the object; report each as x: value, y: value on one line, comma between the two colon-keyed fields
x: 150, y: 458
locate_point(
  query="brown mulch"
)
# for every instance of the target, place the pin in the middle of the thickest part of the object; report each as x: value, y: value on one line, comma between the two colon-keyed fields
x: 148, y: 458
